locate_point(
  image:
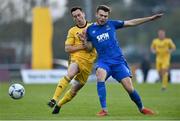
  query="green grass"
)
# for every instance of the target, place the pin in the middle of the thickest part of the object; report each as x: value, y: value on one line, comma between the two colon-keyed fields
x: 85, y: 105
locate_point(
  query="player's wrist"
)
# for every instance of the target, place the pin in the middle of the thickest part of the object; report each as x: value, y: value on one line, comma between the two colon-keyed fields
x: 85, y: 41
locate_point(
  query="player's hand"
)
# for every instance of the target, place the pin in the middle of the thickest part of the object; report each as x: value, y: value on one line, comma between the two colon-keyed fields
x: 156, y: 16
x: 153, y: 51
x: 170, y: 51
x: 82, y: 36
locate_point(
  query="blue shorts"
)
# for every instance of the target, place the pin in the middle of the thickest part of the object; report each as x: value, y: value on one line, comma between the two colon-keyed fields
x: 118, y: 70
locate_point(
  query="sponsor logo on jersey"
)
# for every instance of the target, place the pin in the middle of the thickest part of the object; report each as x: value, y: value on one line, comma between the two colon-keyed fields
x: 102, y: 37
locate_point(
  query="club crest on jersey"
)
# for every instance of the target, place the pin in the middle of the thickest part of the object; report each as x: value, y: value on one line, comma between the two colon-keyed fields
x: 94, y: 32
x: 107, y: 27
x: 102, y: 37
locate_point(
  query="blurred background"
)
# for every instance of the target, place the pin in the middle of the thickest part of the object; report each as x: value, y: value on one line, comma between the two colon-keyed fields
x: 16, y: 19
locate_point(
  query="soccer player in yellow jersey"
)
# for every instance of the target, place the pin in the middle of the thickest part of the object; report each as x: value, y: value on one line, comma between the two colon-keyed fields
x: 163, y: 47
x: 81, y: 62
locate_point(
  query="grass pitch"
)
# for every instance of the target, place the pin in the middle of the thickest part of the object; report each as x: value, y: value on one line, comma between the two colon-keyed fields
x: 33, y: 106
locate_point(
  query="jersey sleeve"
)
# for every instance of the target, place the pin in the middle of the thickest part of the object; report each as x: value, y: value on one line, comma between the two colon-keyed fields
x: 70, y: 38
x: 153, y: 44
x: 117, y: 23
x: 171, y: 44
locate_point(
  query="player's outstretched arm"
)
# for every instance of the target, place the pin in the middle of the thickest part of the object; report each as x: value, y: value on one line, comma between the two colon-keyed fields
x: 138, y: 21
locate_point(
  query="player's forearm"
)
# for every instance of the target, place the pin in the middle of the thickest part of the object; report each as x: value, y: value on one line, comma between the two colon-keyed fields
x: 88, y: 46
x: 153, y: 50
x: 172, y: 49
x: 138, y: 21
x: 71, y: 48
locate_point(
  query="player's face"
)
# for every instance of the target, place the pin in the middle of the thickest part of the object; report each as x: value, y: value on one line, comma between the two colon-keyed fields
x: 161, y: 34
x: 79, y: 17
x: 102, y: 17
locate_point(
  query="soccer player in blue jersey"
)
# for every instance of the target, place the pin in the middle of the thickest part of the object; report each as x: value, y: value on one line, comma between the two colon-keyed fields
x: 111, y: 62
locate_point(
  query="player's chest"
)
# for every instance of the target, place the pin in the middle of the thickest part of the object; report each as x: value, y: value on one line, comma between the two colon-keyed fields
x: 162, y: 45
x: 76, y: 37
x: 102, y: 34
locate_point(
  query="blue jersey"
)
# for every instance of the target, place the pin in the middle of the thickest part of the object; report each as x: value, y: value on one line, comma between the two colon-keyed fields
x: 110, y: 57
x: 104, y: 39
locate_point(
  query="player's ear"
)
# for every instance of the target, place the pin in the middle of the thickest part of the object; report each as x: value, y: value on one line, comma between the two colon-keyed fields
x: 74, y: 19
x: 83, y: 14
x: 96, y: 15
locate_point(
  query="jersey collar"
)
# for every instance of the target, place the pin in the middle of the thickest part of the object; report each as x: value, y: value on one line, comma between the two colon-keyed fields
x: 82, y: 26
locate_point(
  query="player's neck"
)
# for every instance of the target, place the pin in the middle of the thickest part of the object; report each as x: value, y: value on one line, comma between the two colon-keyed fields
x: 100, y: 24
x: 84, y: 24
x: 161, y: 38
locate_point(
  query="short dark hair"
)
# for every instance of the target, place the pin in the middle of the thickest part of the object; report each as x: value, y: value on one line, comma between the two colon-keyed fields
x: 76, y: 8
x: 104, y: 8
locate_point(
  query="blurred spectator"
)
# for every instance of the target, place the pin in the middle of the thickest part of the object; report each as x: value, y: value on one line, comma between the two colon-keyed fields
x: 145, y: 66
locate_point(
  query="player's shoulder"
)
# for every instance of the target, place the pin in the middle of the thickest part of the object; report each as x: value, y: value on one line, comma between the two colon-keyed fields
x: 156, y: 40
x: 74, y: 29
x: 168, y: 39
x: 71, y: 29
x: 113, y: 21
x: 91, y: 26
